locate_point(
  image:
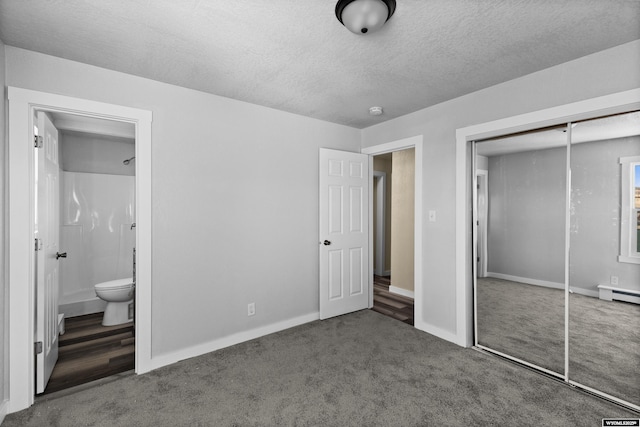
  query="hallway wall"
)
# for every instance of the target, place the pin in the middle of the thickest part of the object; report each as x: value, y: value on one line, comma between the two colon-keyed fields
x: 402, y: 229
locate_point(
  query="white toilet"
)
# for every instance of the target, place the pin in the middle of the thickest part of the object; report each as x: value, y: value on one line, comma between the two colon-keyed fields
x: 119, y: 297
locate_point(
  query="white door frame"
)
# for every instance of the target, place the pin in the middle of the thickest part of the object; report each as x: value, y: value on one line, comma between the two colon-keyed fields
x: 20, y: 262
x: 402, y: 144
x: 595, y: 107
x: 380, y: 225
x: 482, y: 179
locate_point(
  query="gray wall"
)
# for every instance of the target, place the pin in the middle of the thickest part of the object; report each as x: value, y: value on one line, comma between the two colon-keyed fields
x: 222, y: 193
x: 234, y: 200
x: 526, y: 223
x: 382, y: 163
x: 610, y: 71
x: 482, y: 163
x: 527, y: 208
x: 595, y: 220
x: 4, y: 284
x: 88, y: 153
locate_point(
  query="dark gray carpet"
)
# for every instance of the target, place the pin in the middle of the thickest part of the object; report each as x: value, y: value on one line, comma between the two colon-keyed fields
x: 604, y: 346
x: 523, y: 321
x: 527, y: 321
x: 362, y: 369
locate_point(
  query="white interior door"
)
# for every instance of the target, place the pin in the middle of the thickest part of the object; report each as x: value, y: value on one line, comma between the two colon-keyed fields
x: 47, y: 233
x: 344, y: 232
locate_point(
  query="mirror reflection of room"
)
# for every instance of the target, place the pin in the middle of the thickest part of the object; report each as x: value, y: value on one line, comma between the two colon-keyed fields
x: 520, y: 295
x: 604, y: 273
x: 553, y: 235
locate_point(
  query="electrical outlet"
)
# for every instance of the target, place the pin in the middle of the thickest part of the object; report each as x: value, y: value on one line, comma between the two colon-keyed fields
x: 251, y: 309
x: 614, y: 281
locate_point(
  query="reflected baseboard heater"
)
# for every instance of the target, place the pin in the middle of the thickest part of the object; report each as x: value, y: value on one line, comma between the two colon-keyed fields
x: 609, y: 293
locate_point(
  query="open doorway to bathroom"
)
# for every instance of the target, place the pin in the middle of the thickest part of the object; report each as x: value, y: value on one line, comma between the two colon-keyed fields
x: 23, y: 103
x: 85, y: 203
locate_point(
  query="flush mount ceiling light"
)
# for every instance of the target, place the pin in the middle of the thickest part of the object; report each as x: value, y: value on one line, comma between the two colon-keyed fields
x: 375, y: 111
x: 364, y: 16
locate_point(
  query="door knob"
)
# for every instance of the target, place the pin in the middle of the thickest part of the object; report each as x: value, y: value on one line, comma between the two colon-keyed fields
x: 326, y: 243
x: 61, y: 255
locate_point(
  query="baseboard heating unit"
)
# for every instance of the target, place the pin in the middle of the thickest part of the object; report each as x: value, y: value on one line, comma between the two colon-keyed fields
x: 609, y: 293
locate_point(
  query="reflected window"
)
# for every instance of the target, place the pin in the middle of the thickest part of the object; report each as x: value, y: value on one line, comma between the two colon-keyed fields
x: 636, y: 204
x: 630, y: 220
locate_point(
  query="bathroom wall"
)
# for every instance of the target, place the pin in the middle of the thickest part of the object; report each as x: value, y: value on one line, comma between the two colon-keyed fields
x: 97, y: 211
x: 82, y: 152
x: 97, y: 214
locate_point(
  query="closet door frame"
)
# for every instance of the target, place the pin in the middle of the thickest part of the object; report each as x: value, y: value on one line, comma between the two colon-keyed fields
x: 567, y: 222
x: 616, y: 103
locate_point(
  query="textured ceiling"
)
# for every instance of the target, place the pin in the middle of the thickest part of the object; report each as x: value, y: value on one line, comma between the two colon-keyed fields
x: 295, y: 56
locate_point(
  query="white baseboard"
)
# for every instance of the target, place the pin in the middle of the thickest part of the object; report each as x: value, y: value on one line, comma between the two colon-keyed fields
x: 527, y: 280
x: 400, y: 291
x: 4, y: 409
x: 237, y: 338
x: 543, y: 283
x: 438, y: 332
x: 585, y: 292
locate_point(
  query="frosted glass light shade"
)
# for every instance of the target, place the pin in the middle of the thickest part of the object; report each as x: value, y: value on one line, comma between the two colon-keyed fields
x: 364, y: 16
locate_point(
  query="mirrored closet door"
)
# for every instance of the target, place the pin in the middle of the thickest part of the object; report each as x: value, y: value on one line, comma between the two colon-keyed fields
x: 604, y: 279
x: 557, y: 252
x: 521, y: 204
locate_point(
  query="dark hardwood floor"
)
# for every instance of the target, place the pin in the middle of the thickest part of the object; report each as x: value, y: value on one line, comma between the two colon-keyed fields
x: 393, y: 305
x: 89, y: 351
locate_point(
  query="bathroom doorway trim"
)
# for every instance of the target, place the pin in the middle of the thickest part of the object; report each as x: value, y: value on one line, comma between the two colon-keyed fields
x: 21, y: 259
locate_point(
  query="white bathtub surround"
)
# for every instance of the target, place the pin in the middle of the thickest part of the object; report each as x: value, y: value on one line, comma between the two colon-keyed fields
x: 96, y: 232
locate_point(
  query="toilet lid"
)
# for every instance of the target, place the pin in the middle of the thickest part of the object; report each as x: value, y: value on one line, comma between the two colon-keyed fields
x: 115, y: 284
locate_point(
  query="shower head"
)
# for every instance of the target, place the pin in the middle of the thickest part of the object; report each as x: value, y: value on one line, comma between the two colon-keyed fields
x: 126, y: 162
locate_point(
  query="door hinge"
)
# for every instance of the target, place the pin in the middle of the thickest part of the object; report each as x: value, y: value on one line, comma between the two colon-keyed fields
x: 37, y: 141
x: 38, y: 244
x: 38, y: 347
